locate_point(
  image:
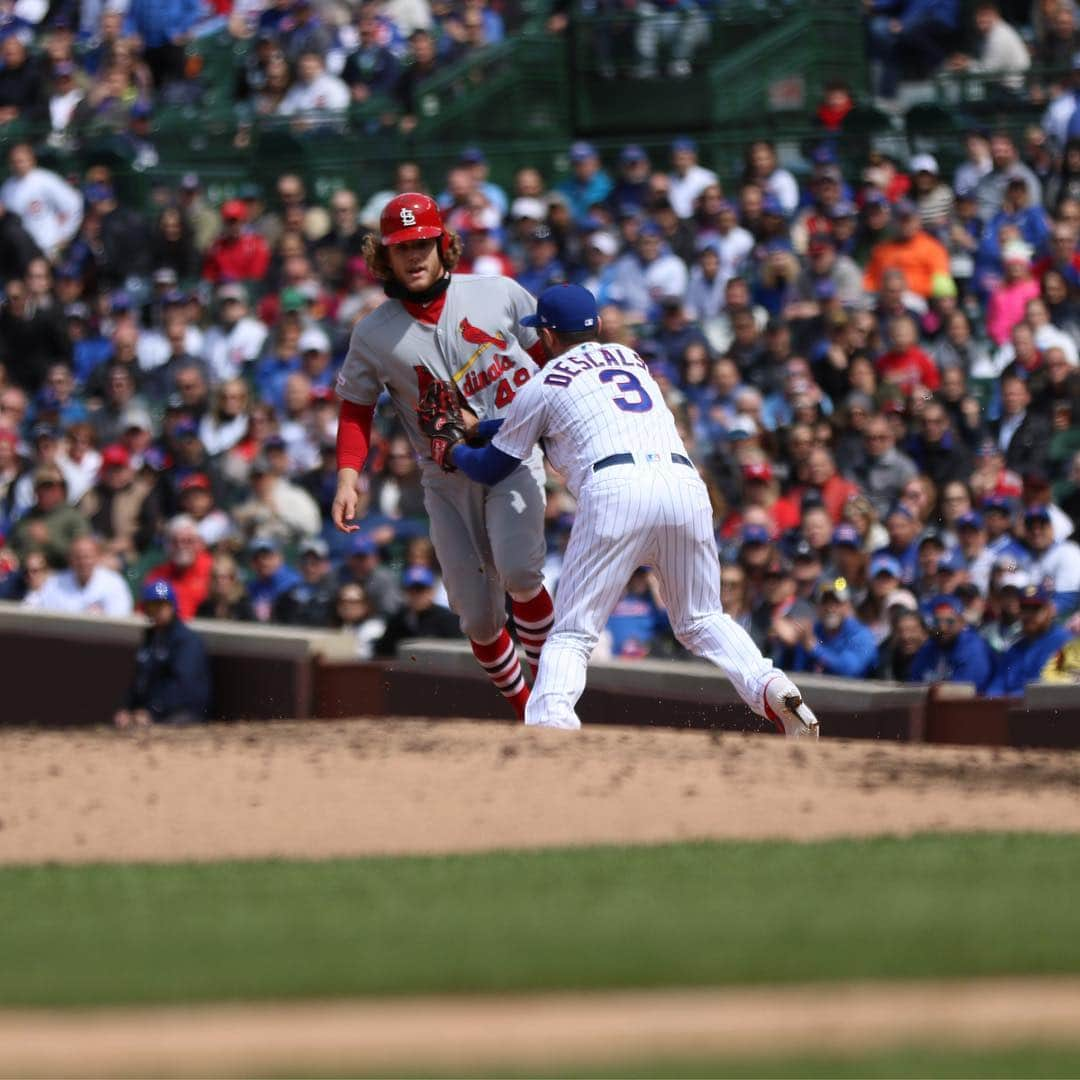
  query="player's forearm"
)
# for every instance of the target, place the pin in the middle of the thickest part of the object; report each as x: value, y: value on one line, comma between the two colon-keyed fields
x: 353, y: 436
x: 485, y: 464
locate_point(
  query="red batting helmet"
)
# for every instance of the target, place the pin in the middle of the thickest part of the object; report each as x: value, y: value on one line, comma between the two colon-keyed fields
x: 411, y: 216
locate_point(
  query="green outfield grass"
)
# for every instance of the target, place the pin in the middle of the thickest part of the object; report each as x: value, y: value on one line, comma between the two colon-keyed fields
x: 688, y: 914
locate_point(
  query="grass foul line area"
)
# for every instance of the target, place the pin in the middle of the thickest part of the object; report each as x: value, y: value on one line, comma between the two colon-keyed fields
x: 694, y: 914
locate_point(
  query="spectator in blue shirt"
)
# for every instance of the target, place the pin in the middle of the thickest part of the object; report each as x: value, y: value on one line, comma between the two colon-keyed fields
x: 165, y: 28
x: 1017, y: 213
x: 172, y: 674
x: 1055, y: 564
x: 542, y: 266
x: 632, y: 188
x: 637, y: 620
x: 272, y: 577
x: 837, y: 643
x: 903, y: 543
x: 997, y: 513
x: 90, y: 348
x: 954, y: 652
x: 1039, y: 640
x: 277, y: 363
x: 902, y: 30
x: 589, y: 185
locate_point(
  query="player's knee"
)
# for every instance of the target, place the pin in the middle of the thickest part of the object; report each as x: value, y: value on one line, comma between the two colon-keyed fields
x: 482, y: 626
x: 522, y: 580
x: 689, y: 633
x: 572, y: 641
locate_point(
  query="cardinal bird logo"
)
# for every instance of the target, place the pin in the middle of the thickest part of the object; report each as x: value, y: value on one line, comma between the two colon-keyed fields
x: 475, y: 336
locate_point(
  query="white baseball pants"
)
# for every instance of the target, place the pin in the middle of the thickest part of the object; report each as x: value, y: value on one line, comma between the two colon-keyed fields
x: 628, y: 516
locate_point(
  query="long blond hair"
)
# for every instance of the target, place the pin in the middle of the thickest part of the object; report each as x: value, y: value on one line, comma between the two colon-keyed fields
x: 379, y: 264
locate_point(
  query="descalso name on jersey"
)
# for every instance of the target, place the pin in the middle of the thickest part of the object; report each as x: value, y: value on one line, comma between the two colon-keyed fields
x: 563, y: 372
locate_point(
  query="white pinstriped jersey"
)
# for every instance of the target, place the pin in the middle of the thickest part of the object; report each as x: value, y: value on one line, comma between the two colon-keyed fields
x: 593, y: 401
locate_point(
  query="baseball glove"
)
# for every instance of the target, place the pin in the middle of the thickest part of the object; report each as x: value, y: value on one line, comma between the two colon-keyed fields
x: 438, y: 413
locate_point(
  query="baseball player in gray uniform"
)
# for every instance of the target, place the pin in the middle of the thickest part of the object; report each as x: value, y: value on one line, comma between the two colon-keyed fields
x: 607, y: 429
x: 463, y: 335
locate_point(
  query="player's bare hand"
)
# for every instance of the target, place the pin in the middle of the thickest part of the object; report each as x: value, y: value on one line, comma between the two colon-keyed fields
x: 343, y: 511
x: 122, y: 719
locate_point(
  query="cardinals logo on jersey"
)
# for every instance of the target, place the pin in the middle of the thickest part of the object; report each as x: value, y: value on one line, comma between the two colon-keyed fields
x: 475, y: 336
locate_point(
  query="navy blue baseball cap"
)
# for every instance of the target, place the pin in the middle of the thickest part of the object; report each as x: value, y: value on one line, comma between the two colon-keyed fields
x: 953, y: 603
x: 770, y: 204
x: 971, y: 520
x: 566, y: 308
x: 951, y: 562
x: 755, y: 534
x: 157, y: 591
x: 96, y: 193
x: 417, y: 577
x: 1037, y: 513
x: 1034, y: 596
x: 582, y: 151
x: 633, y: 153
x: 886, y: 564
x: 362, y: 545
x: 846, y: 536
x: 997, y: 502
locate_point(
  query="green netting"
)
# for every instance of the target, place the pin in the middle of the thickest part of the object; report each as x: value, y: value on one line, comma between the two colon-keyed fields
x: 757, y: 71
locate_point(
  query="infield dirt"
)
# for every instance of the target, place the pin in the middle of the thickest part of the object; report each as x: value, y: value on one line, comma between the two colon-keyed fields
x: 317, y: 790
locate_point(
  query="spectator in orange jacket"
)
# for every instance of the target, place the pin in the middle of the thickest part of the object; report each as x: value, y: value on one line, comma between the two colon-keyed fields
x: 187, y: 568
x: 905, y: 365
x: 914, y: 252
x: 236, y: 254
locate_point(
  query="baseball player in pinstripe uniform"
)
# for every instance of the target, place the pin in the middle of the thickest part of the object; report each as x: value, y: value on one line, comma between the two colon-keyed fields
x: 607, y: 429
x: 464, y: 333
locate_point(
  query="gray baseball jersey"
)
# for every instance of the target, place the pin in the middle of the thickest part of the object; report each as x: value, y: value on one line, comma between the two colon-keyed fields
x: 489, y: 541
x: 478, y: 343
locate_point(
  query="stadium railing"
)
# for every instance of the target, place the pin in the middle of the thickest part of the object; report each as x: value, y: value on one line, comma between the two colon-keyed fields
x: 273, y: 672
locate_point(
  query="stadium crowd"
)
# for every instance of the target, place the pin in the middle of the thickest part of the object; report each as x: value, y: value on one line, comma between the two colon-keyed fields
x: 876, y: 369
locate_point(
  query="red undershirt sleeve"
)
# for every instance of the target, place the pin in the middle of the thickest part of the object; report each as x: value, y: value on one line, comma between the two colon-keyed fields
x: 353, y: 435
x: 536, y: 351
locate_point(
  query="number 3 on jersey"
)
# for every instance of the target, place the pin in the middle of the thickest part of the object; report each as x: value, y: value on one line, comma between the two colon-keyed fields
x: 627, y: 384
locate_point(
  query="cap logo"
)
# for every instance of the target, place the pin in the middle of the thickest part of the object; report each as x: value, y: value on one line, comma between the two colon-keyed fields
x: 408, y: 218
